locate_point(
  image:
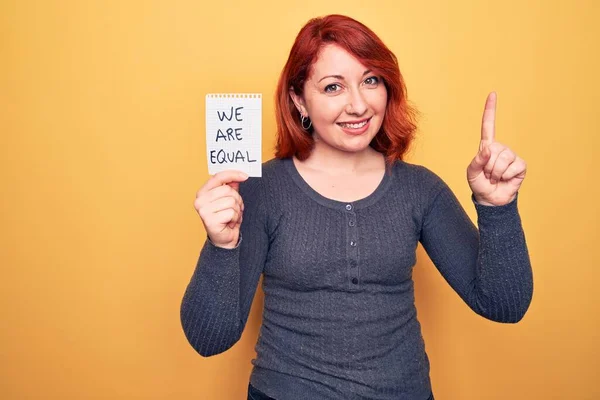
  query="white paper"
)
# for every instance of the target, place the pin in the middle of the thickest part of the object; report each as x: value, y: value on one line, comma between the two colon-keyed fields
x: 234, y: 132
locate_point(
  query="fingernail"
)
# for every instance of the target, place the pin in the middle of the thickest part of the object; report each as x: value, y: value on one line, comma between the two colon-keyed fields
x: 243, y: 175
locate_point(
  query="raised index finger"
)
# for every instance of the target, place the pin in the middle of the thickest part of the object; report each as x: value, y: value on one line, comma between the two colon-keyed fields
x: 225, y: 177
x: 488, y: 124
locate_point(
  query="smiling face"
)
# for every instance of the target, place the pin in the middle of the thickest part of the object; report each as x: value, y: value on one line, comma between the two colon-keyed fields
x: 345, y: 101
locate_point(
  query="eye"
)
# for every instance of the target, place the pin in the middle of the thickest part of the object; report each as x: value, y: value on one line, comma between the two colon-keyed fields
x: 334, y: 87
x: 372, y: 81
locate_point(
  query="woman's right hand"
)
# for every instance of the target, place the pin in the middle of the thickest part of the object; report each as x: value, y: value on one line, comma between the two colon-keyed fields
x: 220, y: 207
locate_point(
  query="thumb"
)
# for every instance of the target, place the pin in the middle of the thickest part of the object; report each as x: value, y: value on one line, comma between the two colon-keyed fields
x: 479, y: 162
x: 235, y: 186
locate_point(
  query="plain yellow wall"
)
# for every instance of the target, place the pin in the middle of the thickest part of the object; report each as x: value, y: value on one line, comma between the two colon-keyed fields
x: 102, y: 151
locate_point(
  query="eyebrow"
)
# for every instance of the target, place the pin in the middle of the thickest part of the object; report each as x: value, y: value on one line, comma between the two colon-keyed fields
x: 340, y: 77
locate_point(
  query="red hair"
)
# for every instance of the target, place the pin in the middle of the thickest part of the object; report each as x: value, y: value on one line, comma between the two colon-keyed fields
x: 399, y: 123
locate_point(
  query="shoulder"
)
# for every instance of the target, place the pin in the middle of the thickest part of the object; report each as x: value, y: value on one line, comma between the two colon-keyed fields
x: 273, y: 177
x: 273, y: 168
x: 416, y: 184
x: 417, y: 177
x: 262, y: 195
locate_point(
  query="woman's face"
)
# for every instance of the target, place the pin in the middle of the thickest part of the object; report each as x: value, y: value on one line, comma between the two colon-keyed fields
x: 345, y: 101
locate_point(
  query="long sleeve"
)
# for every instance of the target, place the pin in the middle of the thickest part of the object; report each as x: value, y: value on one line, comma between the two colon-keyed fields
x: 489, y: 268
x: 339, y: 318
x: 216, y: 303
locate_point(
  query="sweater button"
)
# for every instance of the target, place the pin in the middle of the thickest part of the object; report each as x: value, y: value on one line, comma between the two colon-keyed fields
x: 351, y: 223
x: 348, y: 207
x: 355, y: 281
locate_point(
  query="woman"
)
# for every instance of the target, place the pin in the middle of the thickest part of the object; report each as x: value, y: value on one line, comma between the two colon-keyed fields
x: 333, y: 226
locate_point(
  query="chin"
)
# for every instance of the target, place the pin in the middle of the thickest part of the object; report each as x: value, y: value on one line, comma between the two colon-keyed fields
x: 346, y: 143
x: 356, y: 147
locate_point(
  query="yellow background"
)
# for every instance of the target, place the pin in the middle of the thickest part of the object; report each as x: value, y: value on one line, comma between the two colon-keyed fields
x: 102, y: 151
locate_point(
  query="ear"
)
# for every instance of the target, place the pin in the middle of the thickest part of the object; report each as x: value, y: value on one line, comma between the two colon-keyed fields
x: 298, y: 102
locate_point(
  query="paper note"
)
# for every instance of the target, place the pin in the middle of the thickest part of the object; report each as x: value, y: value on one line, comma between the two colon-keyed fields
x: 234, y: 132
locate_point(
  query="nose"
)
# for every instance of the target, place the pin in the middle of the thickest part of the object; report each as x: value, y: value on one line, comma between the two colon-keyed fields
x: 356, y: 103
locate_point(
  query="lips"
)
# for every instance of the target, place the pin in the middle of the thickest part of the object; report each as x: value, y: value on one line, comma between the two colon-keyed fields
x: 354, y: 124
x: 355, y: 127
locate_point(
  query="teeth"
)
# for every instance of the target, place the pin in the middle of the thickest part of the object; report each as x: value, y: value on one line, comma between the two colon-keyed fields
x: 354, y: 126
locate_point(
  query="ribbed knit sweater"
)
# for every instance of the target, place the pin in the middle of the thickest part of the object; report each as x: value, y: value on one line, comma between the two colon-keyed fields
x: 339, y: 318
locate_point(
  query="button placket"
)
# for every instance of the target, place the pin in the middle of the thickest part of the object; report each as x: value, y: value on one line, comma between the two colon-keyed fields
x: 352, y: 246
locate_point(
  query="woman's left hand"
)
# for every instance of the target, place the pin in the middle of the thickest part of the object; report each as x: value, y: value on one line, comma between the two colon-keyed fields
x: 496, y: 172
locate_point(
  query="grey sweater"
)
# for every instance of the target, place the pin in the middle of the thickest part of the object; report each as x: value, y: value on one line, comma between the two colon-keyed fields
x: 339, y: 318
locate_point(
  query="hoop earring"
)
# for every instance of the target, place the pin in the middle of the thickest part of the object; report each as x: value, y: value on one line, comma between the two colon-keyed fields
x: 303, y: 120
